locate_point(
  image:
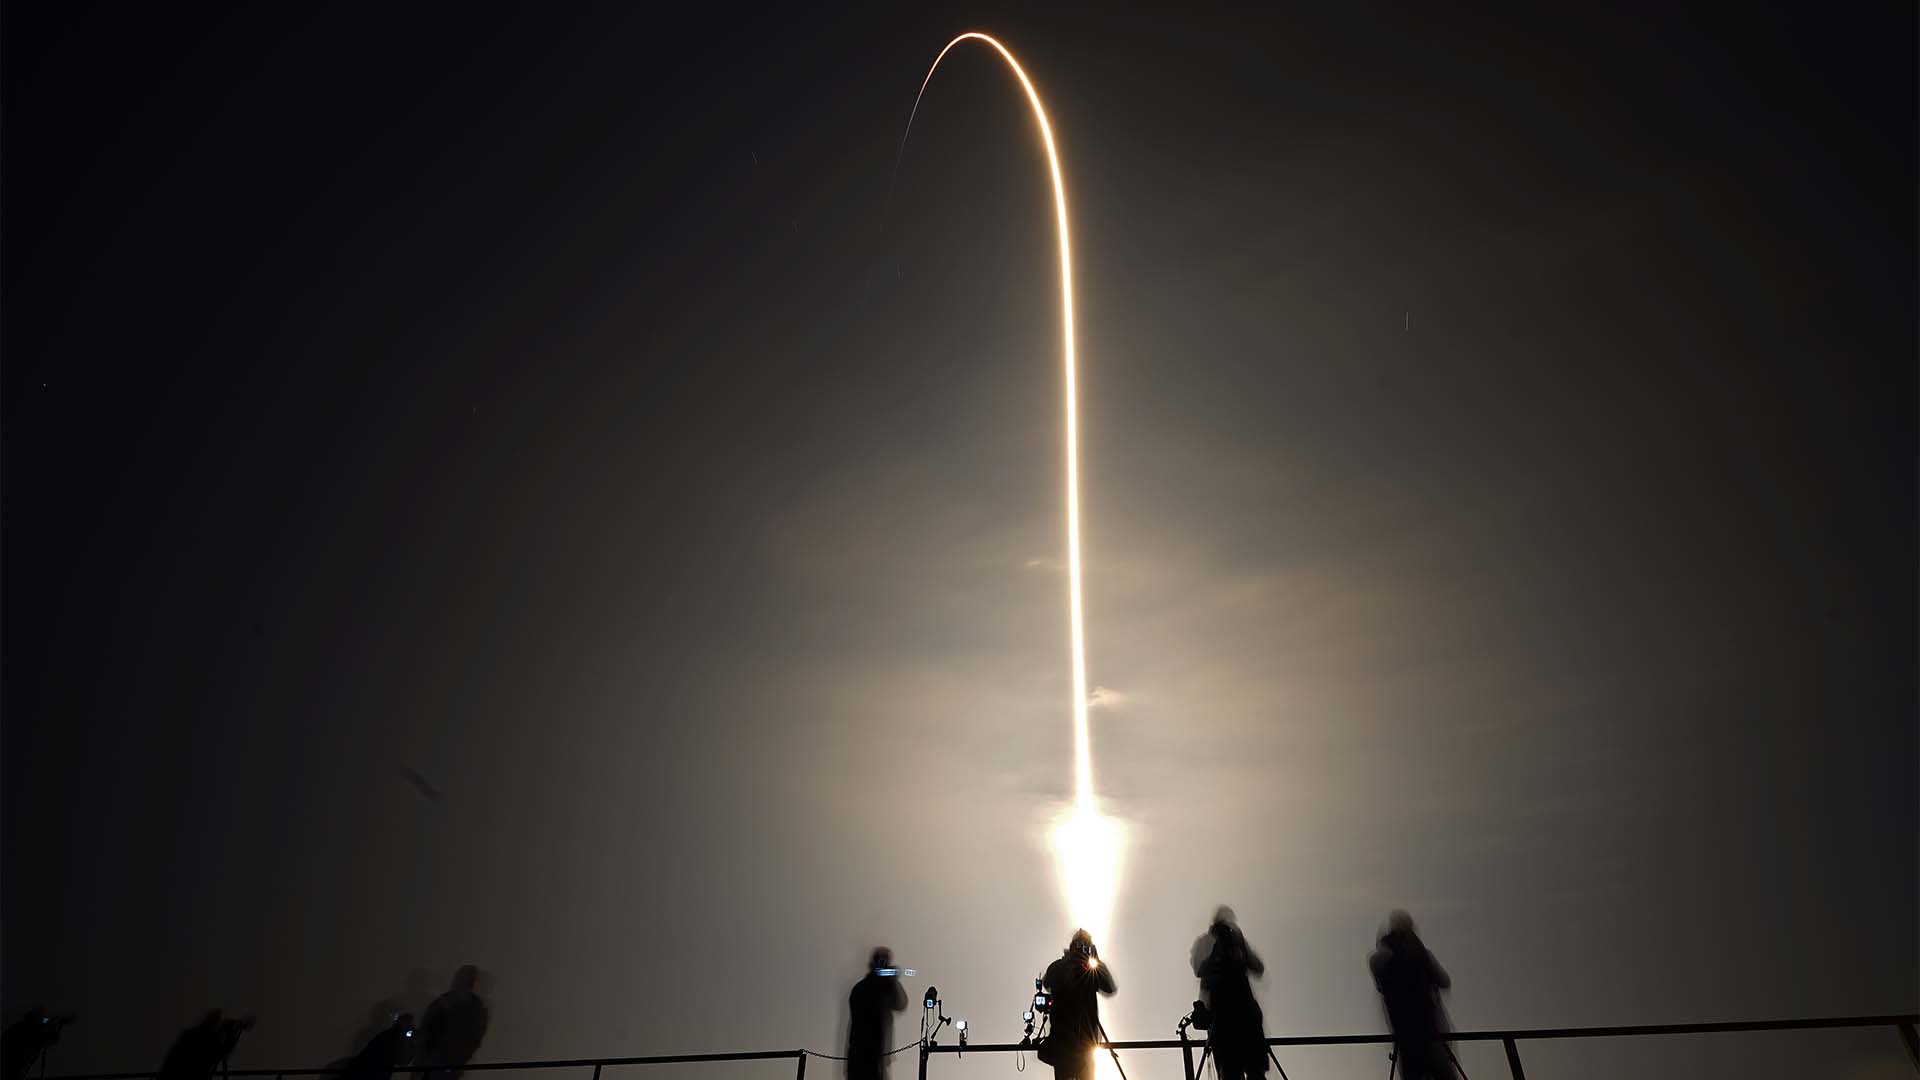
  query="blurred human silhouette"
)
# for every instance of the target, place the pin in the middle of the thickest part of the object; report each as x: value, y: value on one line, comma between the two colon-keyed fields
x: 1076, y: 980
x: 379, y: 1015
x: 870, y: 1009
x: 201, y: 1048
x: 391, y: 1047
x: 1238, y: 1033
x: 1410, y: 980
x: 455, y: 1022
x: 26, y: 1039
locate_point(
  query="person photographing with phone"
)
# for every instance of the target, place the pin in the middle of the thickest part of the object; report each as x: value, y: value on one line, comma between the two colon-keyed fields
x: 870, y: 1009
x: 1076, y: 981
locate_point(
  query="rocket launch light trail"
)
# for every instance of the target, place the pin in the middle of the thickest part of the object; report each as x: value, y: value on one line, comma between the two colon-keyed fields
x: 1086, y: 844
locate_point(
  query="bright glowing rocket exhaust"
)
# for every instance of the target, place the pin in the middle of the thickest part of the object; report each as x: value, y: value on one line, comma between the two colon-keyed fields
x: 1087, y: 845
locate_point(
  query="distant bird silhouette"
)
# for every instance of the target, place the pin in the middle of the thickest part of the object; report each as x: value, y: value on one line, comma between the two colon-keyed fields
x: 421, y: 784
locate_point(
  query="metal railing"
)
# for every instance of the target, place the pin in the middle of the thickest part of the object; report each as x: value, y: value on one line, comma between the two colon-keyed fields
x: 1903, y: 1023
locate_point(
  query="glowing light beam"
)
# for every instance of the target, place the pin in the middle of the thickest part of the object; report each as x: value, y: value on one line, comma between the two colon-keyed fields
x: 1087, y: 845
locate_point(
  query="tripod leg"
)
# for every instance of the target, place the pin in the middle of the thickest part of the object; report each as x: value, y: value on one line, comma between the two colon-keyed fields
x: 1456, y: 1061
x: 1116, y: 1054
x: 1276, y: 1063
x: 1393, y: 1061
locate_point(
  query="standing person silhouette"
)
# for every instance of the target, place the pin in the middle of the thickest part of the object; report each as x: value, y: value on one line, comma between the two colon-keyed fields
x: 201, y: 1048
x: 384, y: 1052
x: 26, y: 1039
x: 870, y: 1009
x: 1410, y: 980
x: 1076, y: 980
x: 1222, y: 961
x: 455, y: 1022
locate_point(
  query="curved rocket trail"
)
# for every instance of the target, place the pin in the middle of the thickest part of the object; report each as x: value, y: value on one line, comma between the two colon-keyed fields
x: 1086, y: 844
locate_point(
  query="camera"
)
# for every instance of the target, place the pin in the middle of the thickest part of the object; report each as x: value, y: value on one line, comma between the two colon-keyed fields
x: 1200, y: 1019
x: 1035, y: 1015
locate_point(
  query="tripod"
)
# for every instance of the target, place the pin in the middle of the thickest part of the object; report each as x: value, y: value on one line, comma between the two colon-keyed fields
x: 48, y: 1034
x: 1207, y: 1048
x: 1393, y: 1061
x: 1109, y: 1044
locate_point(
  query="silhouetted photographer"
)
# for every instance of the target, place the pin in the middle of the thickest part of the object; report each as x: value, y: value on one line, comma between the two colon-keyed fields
x: 201, y: 1048
x: 455, y: 1023
x: 27, y: 1040
x: 1075, y: 982
x: 1410, y: 980
x: 870, y: 1009
x: 1237, y: 1030
x: 390, y: 1048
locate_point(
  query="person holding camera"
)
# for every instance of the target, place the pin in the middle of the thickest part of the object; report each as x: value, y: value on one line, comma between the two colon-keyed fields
x: 455, y: 1022
x: 870, y: 1009
x: 1236, y: 1029
x: 1410, y: 981
x: 26, y: 1040
x: 383, y: 1053
x: 201, y: 1048
x: 1076, y: 980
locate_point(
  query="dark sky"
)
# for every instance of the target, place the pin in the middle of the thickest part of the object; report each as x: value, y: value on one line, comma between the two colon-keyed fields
x: 1500, y: 478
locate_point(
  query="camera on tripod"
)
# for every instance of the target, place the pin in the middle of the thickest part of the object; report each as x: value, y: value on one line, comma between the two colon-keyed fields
x: 1036, y: 1014
x: 1200, y: 1019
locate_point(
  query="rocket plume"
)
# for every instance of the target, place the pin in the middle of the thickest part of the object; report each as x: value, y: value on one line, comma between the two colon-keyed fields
x: 1087, y: 845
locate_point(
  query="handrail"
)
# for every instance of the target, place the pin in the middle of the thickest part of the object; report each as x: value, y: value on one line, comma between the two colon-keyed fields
x: 1517, y: 1034
x: 1905, y: 1023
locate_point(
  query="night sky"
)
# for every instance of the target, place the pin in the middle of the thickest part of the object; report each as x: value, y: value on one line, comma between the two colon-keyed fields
x: 537, y: 489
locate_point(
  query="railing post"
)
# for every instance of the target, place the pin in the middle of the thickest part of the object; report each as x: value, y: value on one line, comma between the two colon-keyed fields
x: 800, y: 1072
x: 1513, y: 1060
x: 924, y: 1044
x: 1186, y: 1053
x: 1912, y: 1040
x: 596, y: 1070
